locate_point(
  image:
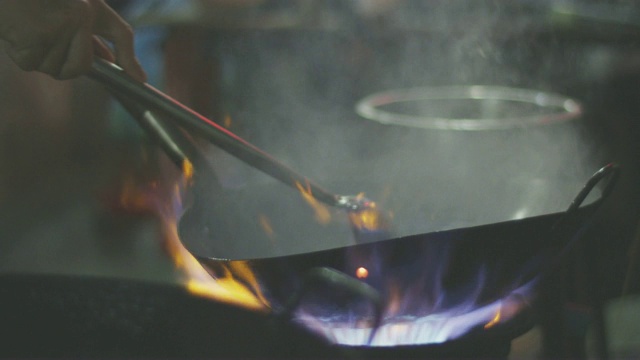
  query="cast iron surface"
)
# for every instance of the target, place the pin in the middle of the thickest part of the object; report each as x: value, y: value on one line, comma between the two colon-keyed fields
x: 55, y: 316
x: 446, y: 272
x: 47, y: 316
x: 440, y: 267
x: 230, y: 223
x: 59, y: 316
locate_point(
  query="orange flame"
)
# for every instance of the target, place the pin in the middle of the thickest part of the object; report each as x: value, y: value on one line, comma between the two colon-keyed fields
x: 227, y: 121
x: 238, y: 286
x: 198, y: 281
x: 265, y: 224
x: 369, y: 218
x: 134, y: 199
x: 362, y: 273
x: 187, y: 170
x: 495, y: 320
x: 322, y: 214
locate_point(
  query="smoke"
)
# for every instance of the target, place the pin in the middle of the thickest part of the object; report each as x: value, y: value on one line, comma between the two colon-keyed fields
x: 292, y: 92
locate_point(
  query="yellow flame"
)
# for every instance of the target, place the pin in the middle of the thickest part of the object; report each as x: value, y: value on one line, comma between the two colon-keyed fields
x: 370, y: 218
x: 133, y: 198
x: 322, y: 214
x: 163, y: 198
x: 362, y: 273
x: 227, y: 121
x: 242, y: 271
x: 266, y: 226
x: 187, y: 170
x: 495, y: 320
x: 199, y: 282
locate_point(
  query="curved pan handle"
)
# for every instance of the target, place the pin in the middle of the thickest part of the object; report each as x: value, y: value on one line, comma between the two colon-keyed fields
x: 564, y: 224
x: 612, y: 171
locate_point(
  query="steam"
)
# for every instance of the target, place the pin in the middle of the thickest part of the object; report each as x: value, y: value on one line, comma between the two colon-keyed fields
x: 292, y: 93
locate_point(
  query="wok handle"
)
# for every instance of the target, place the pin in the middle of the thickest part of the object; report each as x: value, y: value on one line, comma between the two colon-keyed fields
x: 611, y: 171
x: 573, y: 226
x: 567, y: 220
x: 567, y: 225
x: 115, y: 79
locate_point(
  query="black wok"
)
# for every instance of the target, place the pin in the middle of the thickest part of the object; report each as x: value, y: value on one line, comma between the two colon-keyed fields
x: 61, y: 316
x: 446, y: 273
x: 263, y: 220
x: 451, y: 274
x: 54, y: 316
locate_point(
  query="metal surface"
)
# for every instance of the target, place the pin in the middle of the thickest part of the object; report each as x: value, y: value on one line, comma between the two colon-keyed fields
x: 233, y: 224
x: 388, y: 261
x: 468, y: 108
x: 53, y: 316
x: 168, y: 137
x: 453, y: 280
x: 152, y: 99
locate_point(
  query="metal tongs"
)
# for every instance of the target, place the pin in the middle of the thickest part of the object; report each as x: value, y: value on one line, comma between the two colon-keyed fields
x: 143, y: 101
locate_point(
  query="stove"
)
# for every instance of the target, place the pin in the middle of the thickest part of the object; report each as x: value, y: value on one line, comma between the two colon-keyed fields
x: 83, y: 275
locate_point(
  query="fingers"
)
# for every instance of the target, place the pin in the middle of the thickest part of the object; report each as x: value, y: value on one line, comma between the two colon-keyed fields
x: 56, y: 57
x: 79, y: 56
x: 60, y: 38
x: 27, y: 58
x: 45, y: 37
x: 112, y: 27
x: 85, y: 45
x: 102, y: 50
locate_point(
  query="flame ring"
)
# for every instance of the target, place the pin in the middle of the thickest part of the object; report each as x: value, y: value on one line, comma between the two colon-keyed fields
x: 558, y: 108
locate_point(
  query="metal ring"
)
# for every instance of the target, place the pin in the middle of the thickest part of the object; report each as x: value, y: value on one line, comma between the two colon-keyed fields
x: 557, y: 108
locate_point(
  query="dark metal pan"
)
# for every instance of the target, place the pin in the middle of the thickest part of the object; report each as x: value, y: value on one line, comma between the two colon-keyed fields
x: 260, y: 220
x: 500, y: 264
x: 457, y: 280
x: 54, y: 316
x: 487, y: 272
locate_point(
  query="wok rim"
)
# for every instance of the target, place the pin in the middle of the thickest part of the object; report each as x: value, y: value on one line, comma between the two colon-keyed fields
x: 592, y: 205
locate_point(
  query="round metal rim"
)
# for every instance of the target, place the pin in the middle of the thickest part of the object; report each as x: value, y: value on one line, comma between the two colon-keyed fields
x: 369, y: 107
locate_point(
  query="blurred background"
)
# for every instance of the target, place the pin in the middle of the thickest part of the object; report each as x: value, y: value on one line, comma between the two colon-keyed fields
x: 286, y: 76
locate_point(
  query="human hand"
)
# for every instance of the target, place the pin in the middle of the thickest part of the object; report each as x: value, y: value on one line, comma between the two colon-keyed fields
x: 60, y: 37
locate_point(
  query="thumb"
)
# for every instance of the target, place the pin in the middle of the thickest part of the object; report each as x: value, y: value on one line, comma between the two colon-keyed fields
x: 109, y: 25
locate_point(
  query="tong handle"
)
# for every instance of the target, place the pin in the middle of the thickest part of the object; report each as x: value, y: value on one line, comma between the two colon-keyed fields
x: 115, y: 79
